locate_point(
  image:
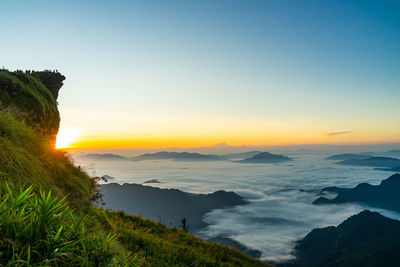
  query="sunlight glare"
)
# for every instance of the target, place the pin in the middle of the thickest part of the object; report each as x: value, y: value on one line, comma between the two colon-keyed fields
x: 65, y: 137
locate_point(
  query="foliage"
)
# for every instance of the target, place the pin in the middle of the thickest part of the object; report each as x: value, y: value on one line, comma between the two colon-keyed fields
x: 38, y: 230
x: 26, y: 157
x: 36, y: 104
x: 364, y: 239
x: 159, y: 245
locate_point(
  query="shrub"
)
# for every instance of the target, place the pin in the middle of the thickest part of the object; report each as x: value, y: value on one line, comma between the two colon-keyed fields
x: 38, y: 230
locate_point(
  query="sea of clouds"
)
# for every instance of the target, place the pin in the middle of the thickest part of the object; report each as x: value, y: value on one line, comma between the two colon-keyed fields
x: 280, y: 195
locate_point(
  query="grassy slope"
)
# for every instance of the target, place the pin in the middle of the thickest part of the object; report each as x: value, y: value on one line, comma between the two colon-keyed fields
x: 29, y: 120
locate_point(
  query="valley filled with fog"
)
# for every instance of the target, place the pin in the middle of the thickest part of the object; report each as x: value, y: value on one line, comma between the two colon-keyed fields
x: 280, y: 195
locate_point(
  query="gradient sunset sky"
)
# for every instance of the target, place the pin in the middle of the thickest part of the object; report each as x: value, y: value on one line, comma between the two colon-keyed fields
x: 195, y: 73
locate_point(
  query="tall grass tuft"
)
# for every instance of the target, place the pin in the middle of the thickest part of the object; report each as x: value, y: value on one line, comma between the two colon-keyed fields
x: 39, y: 230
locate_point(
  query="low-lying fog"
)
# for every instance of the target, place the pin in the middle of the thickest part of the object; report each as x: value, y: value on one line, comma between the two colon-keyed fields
x: 280, y: 211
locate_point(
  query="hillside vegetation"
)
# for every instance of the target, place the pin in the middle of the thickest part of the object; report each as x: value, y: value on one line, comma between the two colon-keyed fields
x: 62, y: 228
x: 364, y: 239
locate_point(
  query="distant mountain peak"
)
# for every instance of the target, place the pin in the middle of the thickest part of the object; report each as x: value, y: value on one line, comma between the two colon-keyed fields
x: 265, y: 157
x: 222, y: 144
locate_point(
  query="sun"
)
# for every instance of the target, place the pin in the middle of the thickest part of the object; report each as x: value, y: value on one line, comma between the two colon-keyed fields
x: 65, y: 137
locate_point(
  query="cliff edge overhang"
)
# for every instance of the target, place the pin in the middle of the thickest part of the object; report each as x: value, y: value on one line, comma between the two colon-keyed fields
x: 32, y: 96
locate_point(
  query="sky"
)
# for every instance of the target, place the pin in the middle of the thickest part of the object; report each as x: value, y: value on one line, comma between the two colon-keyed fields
x: 196, y: 73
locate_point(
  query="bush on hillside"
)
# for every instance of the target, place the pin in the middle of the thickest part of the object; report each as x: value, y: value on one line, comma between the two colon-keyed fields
x: 39, y: 230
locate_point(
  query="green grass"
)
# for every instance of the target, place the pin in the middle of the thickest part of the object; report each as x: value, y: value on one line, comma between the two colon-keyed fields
x: 160, y: 245
x: 38, y: 230
x: 27, y: 157
x: 36, y: 104
x: 62, y: 228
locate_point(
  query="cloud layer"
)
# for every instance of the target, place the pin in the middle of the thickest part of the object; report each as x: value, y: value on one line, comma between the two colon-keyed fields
x: 333, y: 134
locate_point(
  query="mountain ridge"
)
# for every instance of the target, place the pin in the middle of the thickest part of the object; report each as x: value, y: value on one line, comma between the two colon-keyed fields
x: 167, y: 205
x: 385, y: 195
x: 365, y: 239
x: 265, y: 157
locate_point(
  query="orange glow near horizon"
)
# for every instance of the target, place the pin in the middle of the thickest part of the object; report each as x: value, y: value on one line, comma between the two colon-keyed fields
x: 65, y: 137
x: 100, y: 129
x: 163, y: 142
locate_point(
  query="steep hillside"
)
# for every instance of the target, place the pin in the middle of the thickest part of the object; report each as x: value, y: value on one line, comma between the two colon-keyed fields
x: 384, y: 196
x: 365, y: 239
x: 29, y: 122
x: 39, y: 230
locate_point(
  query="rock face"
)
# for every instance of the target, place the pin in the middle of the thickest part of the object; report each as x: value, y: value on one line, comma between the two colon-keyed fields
x: 365, y: 239
x: 385, y: 196
x: 372, y: 162
x: 53, y: 80
x: 265, y: 157
x: 34, y: 94
x: 169, y: 206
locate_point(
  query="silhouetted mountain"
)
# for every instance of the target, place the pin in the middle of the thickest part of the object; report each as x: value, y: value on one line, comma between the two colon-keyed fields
x: 334, y: 189
x: 168, y: 205
x: 265, y: 157
x: 372, y: 162
x: 179, y: 156
x: 385, y: 196
x: 365, y: 239
x: 240, y: 155
x: 152, y: 181
x: 106, y: 156
x: 348, y: 156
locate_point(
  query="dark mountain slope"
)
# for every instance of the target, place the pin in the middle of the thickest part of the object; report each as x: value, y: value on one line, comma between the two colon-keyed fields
x: 385, y: 196
x: 365, y: 239
x: 169, y: 206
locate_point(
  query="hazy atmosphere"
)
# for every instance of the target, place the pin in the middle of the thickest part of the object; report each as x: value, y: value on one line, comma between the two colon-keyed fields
x: 219, y: 133
x: 280, y: 195
x: 197, y: 73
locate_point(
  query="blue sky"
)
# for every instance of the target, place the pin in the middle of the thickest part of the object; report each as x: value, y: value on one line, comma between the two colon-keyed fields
x: 242, y: 72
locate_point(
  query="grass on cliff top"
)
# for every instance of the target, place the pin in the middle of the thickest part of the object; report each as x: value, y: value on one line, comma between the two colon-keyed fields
x: 36, y: 104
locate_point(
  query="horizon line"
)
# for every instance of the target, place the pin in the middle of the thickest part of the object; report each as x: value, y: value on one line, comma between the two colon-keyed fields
x: 397, y: 143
